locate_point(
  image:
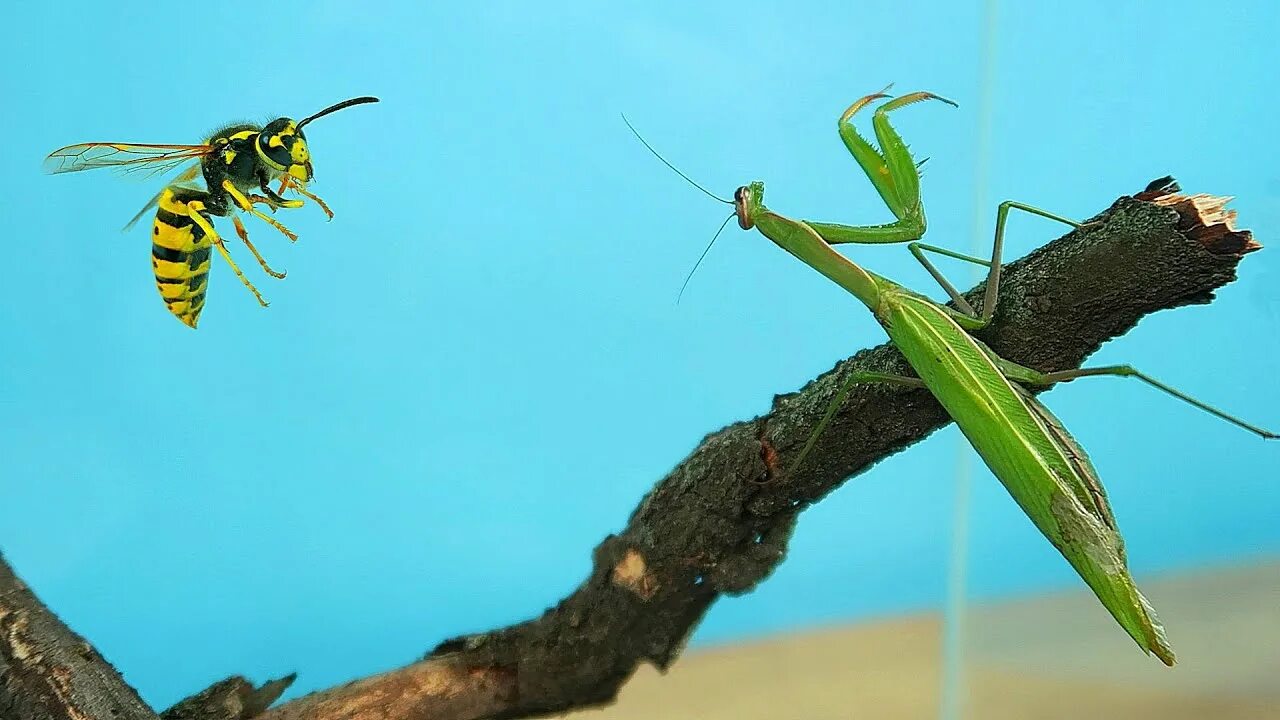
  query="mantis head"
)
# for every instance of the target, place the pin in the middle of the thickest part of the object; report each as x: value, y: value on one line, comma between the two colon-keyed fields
x: 747, y: 201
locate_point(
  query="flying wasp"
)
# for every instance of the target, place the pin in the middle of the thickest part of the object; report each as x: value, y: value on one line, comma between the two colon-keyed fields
x: 238, y: 163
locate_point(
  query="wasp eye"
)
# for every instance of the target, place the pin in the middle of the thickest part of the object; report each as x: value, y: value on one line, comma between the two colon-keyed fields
x: 275, y: 149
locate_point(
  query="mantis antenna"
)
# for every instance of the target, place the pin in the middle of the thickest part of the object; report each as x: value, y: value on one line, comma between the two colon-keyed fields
x: 674, y: 169
x: 689, y: 180
x: 703, y: 255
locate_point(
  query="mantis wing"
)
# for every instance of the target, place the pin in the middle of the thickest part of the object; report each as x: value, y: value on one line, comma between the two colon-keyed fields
x: 1106, y: 569
x: 1027, y: 449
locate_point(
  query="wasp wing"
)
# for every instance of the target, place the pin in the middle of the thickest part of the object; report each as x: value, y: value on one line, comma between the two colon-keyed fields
x: 128, y: 158
x: 187, y: 175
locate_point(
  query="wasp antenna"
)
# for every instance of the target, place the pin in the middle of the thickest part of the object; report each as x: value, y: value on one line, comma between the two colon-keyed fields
x: 674, y: 169
x: 703, y: 255
x: 340, y: 106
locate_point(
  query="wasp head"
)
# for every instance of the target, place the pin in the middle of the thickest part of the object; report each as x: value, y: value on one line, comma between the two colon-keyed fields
x: 283, y: 147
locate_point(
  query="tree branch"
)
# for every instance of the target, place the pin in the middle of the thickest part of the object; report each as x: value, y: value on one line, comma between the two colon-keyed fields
x: 47, y: 672
x: 232, y: 699
x: 719, y: 523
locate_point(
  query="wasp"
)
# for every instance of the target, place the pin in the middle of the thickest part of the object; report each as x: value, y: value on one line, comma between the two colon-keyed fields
x: 238, y: 164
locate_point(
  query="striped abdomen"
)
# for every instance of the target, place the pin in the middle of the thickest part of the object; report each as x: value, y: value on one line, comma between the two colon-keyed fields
x: 180, y: 254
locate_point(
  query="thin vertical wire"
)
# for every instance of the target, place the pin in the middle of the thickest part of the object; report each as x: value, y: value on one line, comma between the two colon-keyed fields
x: 954, y: 682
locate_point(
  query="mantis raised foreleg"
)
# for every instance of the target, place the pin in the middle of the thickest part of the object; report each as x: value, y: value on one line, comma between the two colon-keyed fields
x: 896, y: 176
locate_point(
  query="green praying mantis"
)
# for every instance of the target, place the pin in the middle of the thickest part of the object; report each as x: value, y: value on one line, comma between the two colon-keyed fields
x: 1025, y: 446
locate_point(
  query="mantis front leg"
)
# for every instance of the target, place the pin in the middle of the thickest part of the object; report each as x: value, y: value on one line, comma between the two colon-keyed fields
x: 890, y: 169
x: 895, y: 174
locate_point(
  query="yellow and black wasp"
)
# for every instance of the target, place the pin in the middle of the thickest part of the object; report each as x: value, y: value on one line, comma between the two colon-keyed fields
x: 237, y: 162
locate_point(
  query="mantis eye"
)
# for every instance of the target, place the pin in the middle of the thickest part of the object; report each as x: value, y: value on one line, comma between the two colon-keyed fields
x: 741, y: 201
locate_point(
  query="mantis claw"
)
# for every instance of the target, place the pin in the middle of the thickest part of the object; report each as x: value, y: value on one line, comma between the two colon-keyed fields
x: 863, y: 102
x: 911, y: 98
x: 902, y: 101
x: 890, y: 168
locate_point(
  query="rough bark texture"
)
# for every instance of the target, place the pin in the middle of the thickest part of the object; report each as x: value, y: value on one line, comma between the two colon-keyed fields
x: 232, y: 699
x: 47, y: 672
x: 720, y: 522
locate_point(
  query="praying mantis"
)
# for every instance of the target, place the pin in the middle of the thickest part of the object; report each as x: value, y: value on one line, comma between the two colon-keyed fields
x: 1041, y: 465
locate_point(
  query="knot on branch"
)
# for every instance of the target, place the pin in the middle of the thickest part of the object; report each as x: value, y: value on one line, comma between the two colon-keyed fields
x: 633, y: 574
x: 232, y: 699
x: 742, y: 571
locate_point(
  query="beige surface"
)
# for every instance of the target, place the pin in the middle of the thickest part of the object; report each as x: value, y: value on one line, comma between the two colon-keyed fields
x: 1224, y: 625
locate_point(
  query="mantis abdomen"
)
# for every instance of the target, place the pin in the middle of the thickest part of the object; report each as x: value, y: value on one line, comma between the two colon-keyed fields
x: 1035, y: 459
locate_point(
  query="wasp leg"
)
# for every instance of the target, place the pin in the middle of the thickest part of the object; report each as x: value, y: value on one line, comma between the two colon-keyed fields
x: 194, y: 209
x: 244, y: 237
x: 286, y: 183
x: 318, y: 201
x: 263, y: 200
x: 247, y: 206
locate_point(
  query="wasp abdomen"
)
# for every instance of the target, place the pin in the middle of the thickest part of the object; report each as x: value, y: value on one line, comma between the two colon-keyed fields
x: 180, y: 253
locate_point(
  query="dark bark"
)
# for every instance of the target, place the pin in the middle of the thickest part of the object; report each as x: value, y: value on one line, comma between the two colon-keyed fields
x: 232, y: 699
x: 720, y: 522
x: 47, y: 672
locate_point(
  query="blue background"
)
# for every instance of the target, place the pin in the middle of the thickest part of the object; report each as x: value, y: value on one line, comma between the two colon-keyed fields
x: 475, y: 371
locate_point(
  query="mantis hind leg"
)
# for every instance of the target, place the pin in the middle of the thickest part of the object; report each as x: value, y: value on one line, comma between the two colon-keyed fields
x: 1130, y: 371
x: 838, y: 400
x: 1033, y: 377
